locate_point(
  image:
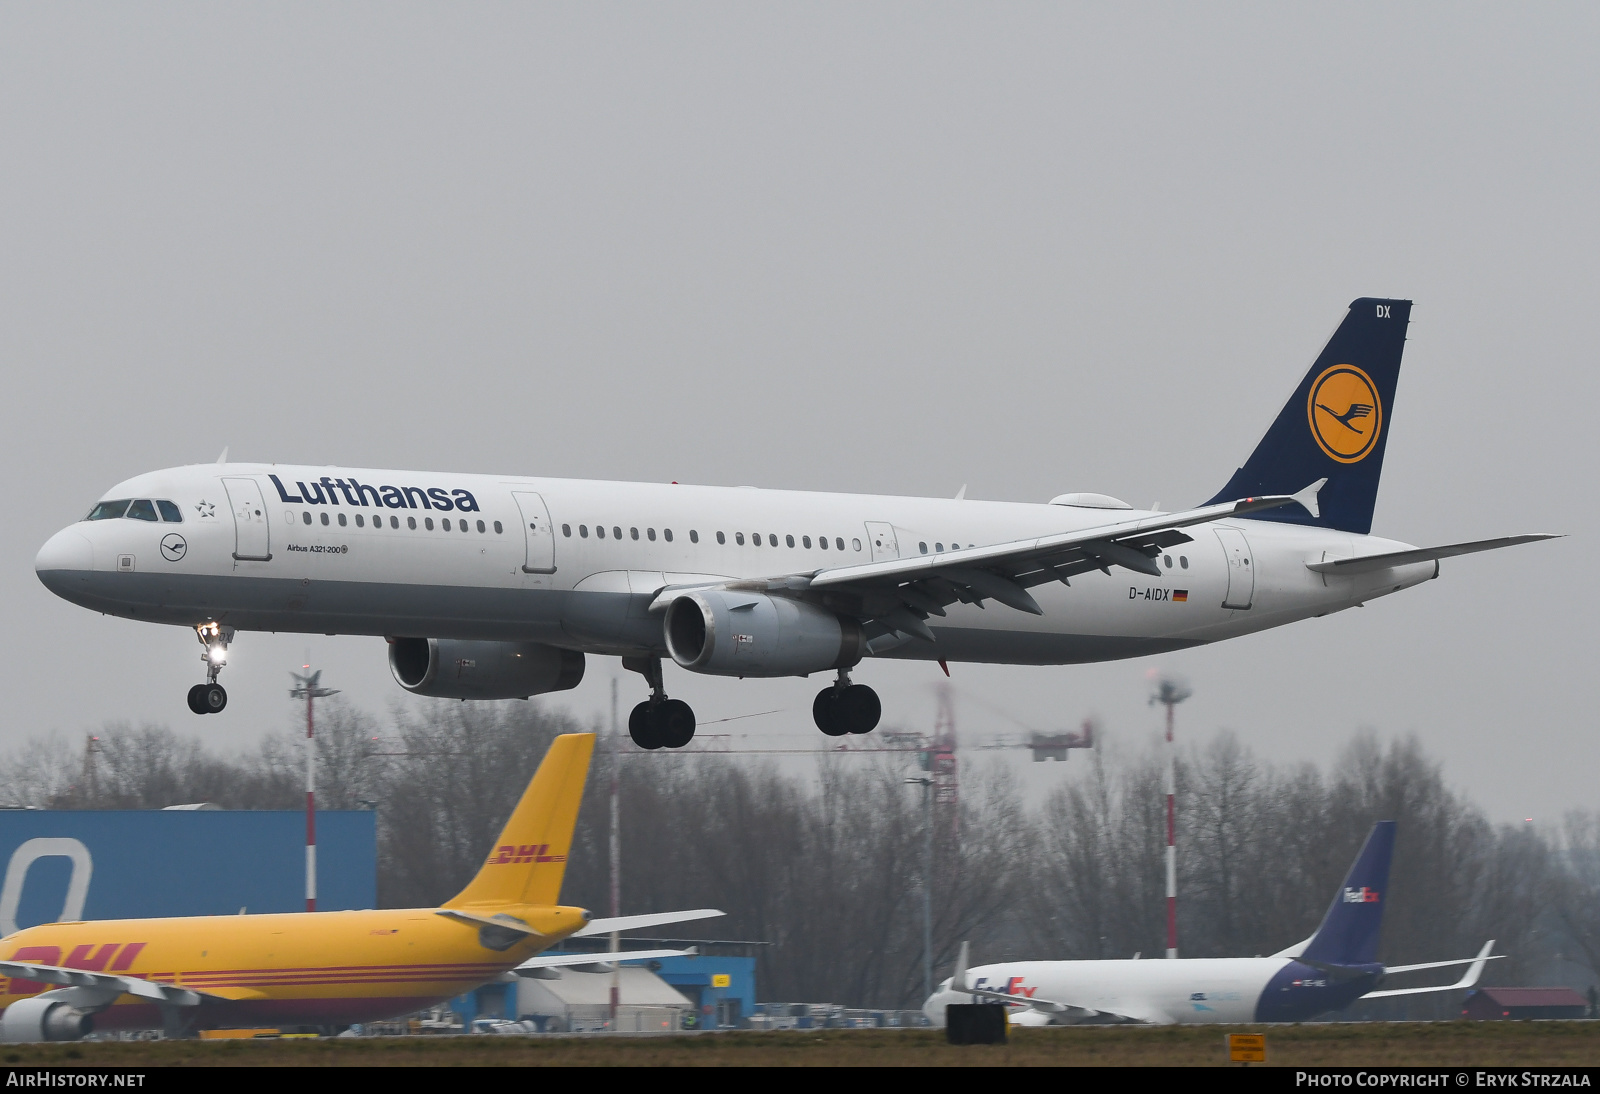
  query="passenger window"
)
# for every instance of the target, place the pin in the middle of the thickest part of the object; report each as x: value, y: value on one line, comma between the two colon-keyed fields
x: 566, y: 530
x: 616, y: 533
x: 694, y: 536
x: 923, y: 547
x: 650, y: 534
x: 666, y: 533
x: 1167, y: 561
x: 446, y: 523
x: 938, y: 548
x: 394, y: 522
x: 738, y: 537
x: 361, y: 521
x: 720, y: 537
x: 142, y: 510
x: 411, y: 523
x: 497, y: 528
x: 805, y: 541
x: 427, y: 522
x: 822, y: 541
x: 856, y: 543
x: 108, y: 510
x: 583, y: 531
x: 838, y: 543
x: 1183, y: 560
x: 344, y: 521
x: 170, y: 512
x: 324, y: 520
x: 634, y: 532
x: 755, y: 539
x: 789, y: 540
x: 306, y: 517
x: 481, y: 528
x: 599, y: 531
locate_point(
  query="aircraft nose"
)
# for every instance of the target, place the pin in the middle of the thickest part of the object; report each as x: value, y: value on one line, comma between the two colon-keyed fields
x: 64, y: 553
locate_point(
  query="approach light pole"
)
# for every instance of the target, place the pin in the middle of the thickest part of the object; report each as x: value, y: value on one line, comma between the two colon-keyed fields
x: 307, y: 688
x: 926, y: 782
x: 1170, y: 691
x: 614, y: 743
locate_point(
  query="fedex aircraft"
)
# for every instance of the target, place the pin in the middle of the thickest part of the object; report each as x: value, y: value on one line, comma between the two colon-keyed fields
x: 1328, y: 971
x: 499, y: 586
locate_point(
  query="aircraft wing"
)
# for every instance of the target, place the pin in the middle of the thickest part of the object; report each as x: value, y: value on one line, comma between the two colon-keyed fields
x: 650, y: 919
x: 900, y: 593
x: 532, y: 966
x: 1469, y: 978
x: 1367, y: 564
x: 110, y: 984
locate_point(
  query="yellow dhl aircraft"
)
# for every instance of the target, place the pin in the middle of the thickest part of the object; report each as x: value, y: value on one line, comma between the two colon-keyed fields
x: 320, y: 968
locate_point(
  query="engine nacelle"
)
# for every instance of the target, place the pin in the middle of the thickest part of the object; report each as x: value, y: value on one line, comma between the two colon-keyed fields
x: 727, y: 633
x: 44, y: 1019
x: 446, y: 668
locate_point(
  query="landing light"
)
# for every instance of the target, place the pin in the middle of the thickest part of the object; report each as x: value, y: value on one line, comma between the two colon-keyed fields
x: 216, y: 655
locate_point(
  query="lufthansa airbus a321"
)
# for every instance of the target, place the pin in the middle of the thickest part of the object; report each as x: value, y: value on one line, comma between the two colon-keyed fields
x: 499, y: 586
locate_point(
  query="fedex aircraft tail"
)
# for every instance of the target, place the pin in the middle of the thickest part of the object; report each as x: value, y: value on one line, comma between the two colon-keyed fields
x: 1335, y: 425
x: 526, y: 864
x: 1349, y: 931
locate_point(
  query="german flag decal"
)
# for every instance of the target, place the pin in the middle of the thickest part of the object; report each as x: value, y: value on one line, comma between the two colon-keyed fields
x: 1180, y: 596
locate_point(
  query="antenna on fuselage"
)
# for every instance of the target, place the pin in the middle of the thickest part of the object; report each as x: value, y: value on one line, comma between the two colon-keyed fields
x: 224, y: 457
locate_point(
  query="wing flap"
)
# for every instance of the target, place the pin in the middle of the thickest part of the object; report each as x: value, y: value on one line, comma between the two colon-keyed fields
x: 102, y: 982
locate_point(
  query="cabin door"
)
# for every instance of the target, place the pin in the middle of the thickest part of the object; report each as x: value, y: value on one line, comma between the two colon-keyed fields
x: 538, y: 532
x: 251, y: 540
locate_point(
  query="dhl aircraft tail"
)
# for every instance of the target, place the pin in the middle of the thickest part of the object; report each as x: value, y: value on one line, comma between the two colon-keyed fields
x: 527, y: 862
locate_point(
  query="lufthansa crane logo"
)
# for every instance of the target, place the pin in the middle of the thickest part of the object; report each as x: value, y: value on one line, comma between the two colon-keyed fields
x: 1346, y: 413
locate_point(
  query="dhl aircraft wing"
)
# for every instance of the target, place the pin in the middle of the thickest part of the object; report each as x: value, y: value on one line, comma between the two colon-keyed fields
x: 109, y: 985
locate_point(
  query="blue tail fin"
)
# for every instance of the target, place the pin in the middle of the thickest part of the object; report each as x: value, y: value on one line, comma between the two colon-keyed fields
x: 1335, y: 425
x: 1349, y: 932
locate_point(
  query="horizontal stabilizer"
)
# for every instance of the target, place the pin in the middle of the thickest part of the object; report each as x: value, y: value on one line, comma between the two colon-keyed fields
x: 578, y: 960
x: 1367, y: 564
x: 652, y: 919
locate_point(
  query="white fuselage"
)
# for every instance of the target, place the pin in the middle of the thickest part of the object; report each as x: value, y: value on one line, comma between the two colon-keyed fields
x: 1188, y: 990
x: 425, y: 554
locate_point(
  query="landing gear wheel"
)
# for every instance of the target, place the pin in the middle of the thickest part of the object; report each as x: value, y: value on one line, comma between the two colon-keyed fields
x: 643, y: 727
x: 212, y: 698
x: 197, y: 699
x: 674, y: 721
x: 857, y: 708
x: 825, y: 712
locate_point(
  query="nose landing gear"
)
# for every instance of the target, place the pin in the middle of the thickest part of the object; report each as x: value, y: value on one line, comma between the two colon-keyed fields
x: 210, y: 697
x: 658, y: 722
x: 846, y: 708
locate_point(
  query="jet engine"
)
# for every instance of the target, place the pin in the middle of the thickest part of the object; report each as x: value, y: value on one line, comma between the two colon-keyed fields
x: 726, y: 633
x: 43, y: 1018
x: 448, y: 668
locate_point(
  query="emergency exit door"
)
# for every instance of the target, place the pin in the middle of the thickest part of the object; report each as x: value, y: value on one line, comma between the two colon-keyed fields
x: 881, y: 538
x: 537, y: 532
x: 252, y: 542
x: 1241, y: 569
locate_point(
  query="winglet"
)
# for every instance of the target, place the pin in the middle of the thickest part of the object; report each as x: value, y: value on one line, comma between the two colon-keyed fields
x: 958, y: 977
x: 1476, y: 969
x: 224, y: 457
x: 1308, y: 497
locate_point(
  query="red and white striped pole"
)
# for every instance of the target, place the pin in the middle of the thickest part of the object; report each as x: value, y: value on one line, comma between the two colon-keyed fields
x: 1172, y: 843
x: 1171, y: 691
x: 310, y: 692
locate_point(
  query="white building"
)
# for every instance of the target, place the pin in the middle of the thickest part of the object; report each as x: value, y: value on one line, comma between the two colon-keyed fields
x: 569, y: 1001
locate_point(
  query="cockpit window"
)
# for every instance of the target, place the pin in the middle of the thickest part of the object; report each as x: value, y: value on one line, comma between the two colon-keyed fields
x: 108, y: 510
x: 170, y: 512
x: 142, y: 509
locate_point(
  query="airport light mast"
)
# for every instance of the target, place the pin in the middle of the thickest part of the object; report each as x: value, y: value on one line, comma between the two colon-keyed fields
x: 927, y: 784
x: 1170, y: 691
x: 308, y: 688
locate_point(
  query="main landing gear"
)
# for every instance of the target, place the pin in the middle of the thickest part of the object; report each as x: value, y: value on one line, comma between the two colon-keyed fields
x: 658, y: 722
x: 846, y: 708
x: 209, y: 697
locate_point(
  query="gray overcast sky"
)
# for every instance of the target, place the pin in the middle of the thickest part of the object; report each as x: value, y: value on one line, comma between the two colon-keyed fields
x: 889, y: 247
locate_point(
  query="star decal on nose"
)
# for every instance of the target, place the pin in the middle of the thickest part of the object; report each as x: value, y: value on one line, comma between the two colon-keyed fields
x: 206, y: 509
